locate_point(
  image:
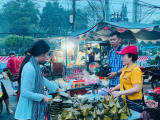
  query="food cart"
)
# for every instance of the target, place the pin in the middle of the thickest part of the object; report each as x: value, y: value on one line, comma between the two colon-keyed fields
x: 73, y: 58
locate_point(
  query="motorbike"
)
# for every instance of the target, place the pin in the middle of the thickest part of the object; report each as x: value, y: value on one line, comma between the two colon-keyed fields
x: 155, y: 73
x: 152, y: 73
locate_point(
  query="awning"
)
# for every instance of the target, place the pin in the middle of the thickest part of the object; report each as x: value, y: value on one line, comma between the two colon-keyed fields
x: 130, y: 31
x: 4, y: 59
x: 143, y: 58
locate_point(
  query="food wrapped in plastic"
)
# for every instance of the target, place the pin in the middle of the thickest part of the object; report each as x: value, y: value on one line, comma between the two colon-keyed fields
x: 106, y: 99
x: 94, y: 114
x: 113, y: 110
x: 85, y: 112
x: 123, y: 117
x: 122, y: 104
x: 111, y: 103
x: 100, y: 106
x: 120, y: 111
x: 70, y: 116
x: 84, y: 100
x: 64, y: 113
x: 77, y: 114
x: 107, y: 118
x: 64, y: 95
x: 104, y: 111
x: 79, y: 107
x: 98, y: 118
x: 116, y: 116
x: 105, y: 106
x: 125, y: 108
x: 128, y: 113
x: 75, y: 105
x: 118, y: 104
x: 99, y: 113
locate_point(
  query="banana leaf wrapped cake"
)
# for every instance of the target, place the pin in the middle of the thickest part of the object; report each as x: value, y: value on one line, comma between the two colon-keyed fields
x: 106, y: 109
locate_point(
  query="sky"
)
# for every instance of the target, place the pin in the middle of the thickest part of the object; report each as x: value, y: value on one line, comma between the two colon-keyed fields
x: 115, y: 6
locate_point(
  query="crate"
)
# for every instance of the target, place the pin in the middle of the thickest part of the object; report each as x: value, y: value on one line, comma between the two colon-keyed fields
x: 77, y: 84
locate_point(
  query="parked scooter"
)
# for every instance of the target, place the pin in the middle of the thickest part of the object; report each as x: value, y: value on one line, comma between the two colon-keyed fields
x: 152, y: 73
x: 155, y: 73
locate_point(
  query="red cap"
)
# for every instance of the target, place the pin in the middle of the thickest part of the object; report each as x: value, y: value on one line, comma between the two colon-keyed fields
x: 129, y: 49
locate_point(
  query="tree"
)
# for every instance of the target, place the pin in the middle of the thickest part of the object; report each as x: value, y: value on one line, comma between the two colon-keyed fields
x: 54, y: 19
x: 156, y: 22
x: 21, y: 16
x: 81, y: 20
x: 14, y: 42
x: 94, y: 13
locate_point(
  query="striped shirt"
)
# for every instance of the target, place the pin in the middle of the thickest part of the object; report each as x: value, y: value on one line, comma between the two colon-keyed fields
x: 116, y: 64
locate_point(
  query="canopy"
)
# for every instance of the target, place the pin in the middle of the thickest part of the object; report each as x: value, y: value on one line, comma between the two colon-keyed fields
x: 130, y: 31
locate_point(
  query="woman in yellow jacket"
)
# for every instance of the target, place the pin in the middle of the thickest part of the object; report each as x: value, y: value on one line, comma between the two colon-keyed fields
x: 131, y: 79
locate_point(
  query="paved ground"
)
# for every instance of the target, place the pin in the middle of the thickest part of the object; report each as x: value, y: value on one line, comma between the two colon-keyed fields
x: 13, y: 102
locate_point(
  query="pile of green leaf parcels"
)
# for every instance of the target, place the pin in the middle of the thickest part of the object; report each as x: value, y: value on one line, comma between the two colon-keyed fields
x: 102, y: 109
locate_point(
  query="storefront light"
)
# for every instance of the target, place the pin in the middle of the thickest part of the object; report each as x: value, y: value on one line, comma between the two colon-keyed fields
x: 70, y: 45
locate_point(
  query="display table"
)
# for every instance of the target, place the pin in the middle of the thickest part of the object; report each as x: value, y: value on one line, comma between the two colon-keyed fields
x: 135, y: 115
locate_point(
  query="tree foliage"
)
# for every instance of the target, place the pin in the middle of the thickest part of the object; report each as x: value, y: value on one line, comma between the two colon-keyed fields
x: 156, y: 22
x: 81, y: 21
x: 21, y: 16
x: 54, y: 19
x: 94, y: 13
x: 15, y: 42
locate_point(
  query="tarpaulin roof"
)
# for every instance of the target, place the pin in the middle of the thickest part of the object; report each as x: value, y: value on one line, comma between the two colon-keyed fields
x: 130, y: 31
x: 4, y: 59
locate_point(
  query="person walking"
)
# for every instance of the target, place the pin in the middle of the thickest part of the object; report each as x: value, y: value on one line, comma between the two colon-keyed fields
x: 114, y: 59
x: 13, y: 65
x: 131, y: 80
x: 32, y: 99
x: 5, y: 96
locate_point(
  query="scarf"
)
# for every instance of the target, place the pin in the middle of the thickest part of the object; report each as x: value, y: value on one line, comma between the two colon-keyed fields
x: 38, y: 107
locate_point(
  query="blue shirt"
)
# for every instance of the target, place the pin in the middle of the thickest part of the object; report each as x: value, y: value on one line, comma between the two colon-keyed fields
x: 27, y: 96
x: 116, y: 64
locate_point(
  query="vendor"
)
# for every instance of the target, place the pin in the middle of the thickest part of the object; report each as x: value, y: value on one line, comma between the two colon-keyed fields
x: 131, y: 80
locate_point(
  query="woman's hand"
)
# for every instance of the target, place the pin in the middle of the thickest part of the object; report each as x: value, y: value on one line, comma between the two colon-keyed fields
x: 111, y: 89
x: 46, y: 99
x: 111, y: 75
x: 116, y: 93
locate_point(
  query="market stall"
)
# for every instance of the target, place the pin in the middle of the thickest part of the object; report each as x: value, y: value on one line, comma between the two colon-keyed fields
x: 73, y: 58
x: 89, y: 106
x: 100, y: 32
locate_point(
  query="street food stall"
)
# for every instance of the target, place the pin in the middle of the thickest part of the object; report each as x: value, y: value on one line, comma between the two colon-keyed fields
x: 101, y: 31
x: 73, y: 59
x: 95, y: 104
